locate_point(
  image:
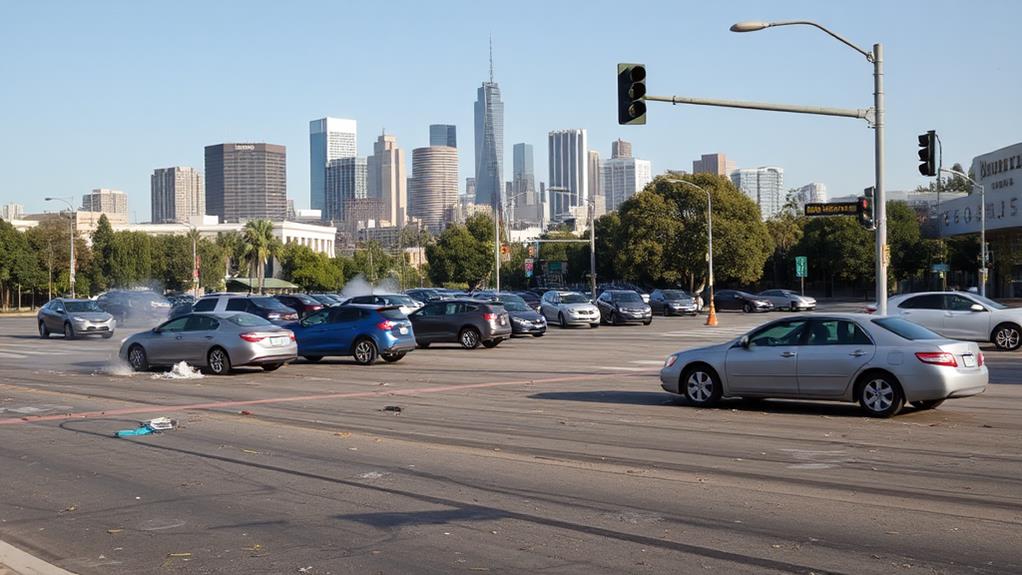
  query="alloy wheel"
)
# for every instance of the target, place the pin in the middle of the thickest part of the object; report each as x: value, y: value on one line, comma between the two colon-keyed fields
x: 700, y: 386
x: 137, y: 358
x: 1008, y: 337
x: 365, y: 352
x: 218, y: 361
x: 469, y: 339
x: 878, y: 395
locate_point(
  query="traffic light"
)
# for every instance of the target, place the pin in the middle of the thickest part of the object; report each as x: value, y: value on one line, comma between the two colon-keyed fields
x: 928, y: 153
x: 631, y: 94
x: 505, y: 249
x: 532, y: 250
x: 864, y: 212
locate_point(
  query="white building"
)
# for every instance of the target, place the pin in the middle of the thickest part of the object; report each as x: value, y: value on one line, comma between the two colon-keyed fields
x: 320, y: 238
x: 12, y: 211
x: 176, y: 194
x: 569, y: 174
x: 812, y: 193
x: 622, y: 178
x: 103, y: 200
x: 762, y: 185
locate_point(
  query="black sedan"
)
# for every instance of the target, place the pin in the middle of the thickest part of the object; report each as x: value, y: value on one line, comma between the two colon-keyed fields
x: 524, y: 319
x: 623, y: 306
x: 739, y: 300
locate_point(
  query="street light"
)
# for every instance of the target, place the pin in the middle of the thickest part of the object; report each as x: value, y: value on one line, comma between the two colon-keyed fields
x: 71, y: 227
x: 711, y: 318
x: 982, y: 228
x: 876, y: 58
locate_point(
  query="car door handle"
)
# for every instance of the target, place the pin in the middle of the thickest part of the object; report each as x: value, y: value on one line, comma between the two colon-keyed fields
x: 857, y: 353
x: 208, y: 337
x: 787, y: 354
x: 178, y: 337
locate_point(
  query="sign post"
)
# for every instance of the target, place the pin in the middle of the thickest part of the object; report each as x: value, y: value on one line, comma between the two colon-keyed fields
x: 802, y: 270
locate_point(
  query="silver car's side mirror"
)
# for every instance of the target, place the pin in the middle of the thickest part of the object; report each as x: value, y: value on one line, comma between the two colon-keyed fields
x: 977, y: 307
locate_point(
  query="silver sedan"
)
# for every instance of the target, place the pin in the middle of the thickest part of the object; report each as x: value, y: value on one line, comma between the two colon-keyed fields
x: 788, y: 299
x: 879, y: 362
x: 214, y: 341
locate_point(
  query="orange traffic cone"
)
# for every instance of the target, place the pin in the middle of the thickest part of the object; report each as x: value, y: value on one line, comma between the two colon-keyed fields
x: 711, y: 319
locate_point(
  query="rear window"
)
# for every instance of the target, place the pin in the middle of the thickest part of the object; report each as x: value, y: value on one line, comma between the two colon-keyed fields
x: 392, y: 313
x: 269, y: 303
x: 306, y: 300
x: 905, y: 328
x: 248, y: 320
x: 399, y: 300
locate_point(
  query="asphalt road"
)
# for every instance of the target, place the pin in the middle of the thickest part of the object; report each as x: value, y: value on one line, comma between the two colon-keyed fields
x: 551, y: 455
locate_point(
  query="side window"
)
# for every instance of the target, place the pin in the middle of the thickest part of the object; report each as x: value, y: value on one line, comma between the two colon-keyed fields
x: 208, y: 304
x: 236, y: 304
x: 929, y: 301
x: 201, y: 323
x: 344, y: 315
x: 958, y: 303
x: 358, y: 299
x: 175, y: 325
x: 453, y: 308
x: 837, y: 332
x: 467, y: 307
x: 431, y: 310
x: 316, y: 318
x: 778, y: 334
x: 59, y: 306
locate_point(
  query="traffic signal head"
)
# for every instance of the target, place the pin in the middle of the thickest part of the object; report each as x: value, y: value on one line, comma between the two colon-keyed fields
x: 631, y: 94
x: 928, y: 153
x: 864, y: 212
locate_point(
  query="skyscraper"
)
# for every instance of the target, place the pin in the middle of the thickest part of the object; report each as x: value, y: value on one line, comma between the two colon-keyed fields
x: 443, y: 135
x: 569, y: 174
x: 713, y: 164
x: 489, y: 141
x: 387, y: 180
x: 433, y: 187
x: 595, y: 178
x: 812, y: 193
x: 329, y: 139
x: 623, y: 177
x: 762, y: 185
x: 527, y: 204
x: 246, y: 182
x: 176, y: 194
x: 346, y: 180
x: 620, y: 149
x: 12, y: 211
x: 106, y: 201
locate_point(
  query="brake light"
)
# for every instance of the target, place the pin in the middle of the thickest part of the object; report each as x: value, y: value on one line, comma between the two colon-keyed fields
x: 937, y: 358
x: 490, y: 316
x: 291, y: 334
x: 290, y: 316
x: 979, y: 359
x: 254, y: 337
x: 273, y: 315
x: 386, y: 325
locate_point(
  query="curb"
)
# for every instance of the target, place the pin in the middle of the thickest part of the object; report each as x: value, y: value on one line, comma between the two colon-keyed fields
x: 14, y: 561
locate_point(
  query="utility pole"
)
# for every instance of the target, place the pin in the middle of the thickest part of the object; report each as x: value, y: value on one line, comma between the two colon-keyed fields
x: 592, y: 247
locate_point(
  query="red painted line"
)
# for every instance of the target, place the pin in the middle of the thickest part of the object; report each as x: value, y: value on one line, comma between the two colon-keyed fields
x: 272, y: 400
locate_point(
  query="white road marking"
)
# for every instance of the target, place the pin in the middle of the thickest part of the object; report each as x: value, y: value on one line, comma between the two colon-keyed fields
x: 641, y: 361
x: 616, y: 368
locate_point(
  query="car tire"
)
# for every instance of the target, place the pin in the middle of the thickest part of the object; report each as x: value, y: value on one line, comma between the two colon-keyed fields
x: 69, y: 331
x: 647, y: 322
x: 1007, y: 337
x: 701, y: 385
x: 540, y: 334
x: 793, y: 306
x: 561, y: 320
x: 490, y: 344
x: 469, y: 338
x: 44, y: 332
x: 747, y: 308
x: 594, y: 325
x: 394, y: 357
x: 880, y: 395
x: 137, y: 358
x: 218, y: 362
x: 422, y: 345
x: 612, y: 319
x: 312, y: 358
x: 364, y: 351
x: 108, y: 335
x: 272, y: 366
x: 927, y: 404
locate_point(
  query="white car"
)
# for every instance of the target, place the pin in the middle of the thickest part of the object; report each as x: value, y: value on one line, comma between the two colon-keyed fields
x: 569, y: 308
x: 961, y: 315
x: 405, y: 302
x: 787, y: 299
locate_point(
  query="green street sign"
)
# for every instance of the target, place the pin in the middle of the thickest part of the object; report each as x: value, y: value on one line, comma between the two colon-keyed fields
x: 801, y: 266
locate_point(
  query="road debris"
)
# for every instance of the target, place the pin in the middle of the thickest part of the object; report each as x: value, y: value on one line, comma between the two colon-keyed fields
x: 393, y: 408
x: 244, y: 412
x: 152, y: 426
x: 178, y: 555
x: 113, y: 531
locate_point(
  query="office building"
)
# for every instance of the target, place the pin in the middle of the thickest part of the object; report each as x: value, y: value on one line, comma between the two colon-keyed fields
x: 713, y: 164
x: 620, y: 149
x: 246, y: 182
x: 329, y: 139
x: 622, y: 178
x: 443, y: 135
x: 388, y: 181
x: 489, y: 141
x: 812, y: 193
x: 433, y: 187
x: 176, y: 194
x: 102, y: 200
x: 569, y: 173
x: 594, y: 175
x: 346, y: 179
x: 526, y: 204
x: 12, y: 211
x: 764, y: 186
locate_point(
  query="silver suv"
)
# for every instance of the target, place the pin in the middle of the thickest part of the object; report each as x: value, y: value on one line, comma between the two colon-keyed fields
x: 264, y: 306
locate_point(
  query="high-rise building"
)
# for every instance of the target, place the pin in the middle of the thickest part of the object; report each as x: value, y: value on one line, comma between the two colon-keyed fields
x: 489, y: 141
x: 346, y: 180
x: 105, y: 201
x: 528, y: 206
x: 764, y: 186
x: 443, y: 135
x: 594, y: 175
x: 177, y: 194
x: 387, y: 180
x: 623, y: 177
x: 470, y: 189
x: 569, y: 174
x: 812, y: 193
x: 713, y: 164
x: 329, y: 139
x: 12, y: 211
x: 620, y: 149
x: 246, y: 182
x: 433, y: 187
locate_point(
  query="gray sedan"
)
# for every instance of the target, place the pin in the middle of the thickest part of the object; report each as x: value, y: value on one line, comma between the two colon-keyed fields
x: 214, y: 341
x: 74, y: 318
x: 788, y: 299
x: 879, y: 362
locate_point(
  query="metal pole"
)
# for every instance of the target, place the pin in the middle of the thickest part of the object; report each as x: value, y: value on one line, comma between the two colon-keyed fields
x: 496, y: 244
x: 711, y: 319
x: 940, y: 224
x: 983, y: 241
x: 592, y: 247
x: 881, y: 194
x: 71, y: 232
x: 195, y: 268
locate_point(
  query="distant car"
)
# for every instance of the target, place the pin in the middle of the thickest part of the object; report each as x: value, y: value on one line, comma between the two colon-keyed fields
x: 530, y: 298
x: 263, y: 306
x: 424, y: 295
x: 879, y: 362
x: 134, y: 306
x: 180, y: 298
x: 74, y: 318
x: 524, y: 319
x: 962, y: 315
x: 788, y: 299
x: 364, y: 332
x: 465, y: 321
x: 645, y: 295
x: 217, y: 342
x: 405, y: 302
x: 301, y: 303
x: 619, y: 307
x: 738, y: 300
x: 569, y: 308
x: 327, y: 299
x: 673, y: 302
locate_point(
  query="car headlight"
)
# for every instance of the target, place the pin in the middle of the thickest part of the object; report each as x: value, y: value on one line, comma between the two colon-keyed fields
x: 671, y: 360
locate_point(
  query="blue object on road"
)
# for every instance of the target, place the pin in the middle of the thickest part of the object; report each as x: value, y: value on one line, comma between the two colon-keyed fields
x: 141, y: 430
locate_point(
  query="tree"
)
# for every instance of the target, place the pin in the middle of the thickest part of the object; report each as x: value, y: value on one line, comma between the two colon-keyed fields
x: 463, y: 253
x: 786, y: 229
x: 233, y: 245
x: 261, y: 245
x: 372, y: 261
x: 102, y: 246
x: 310, y: 270
x: 838, y: 248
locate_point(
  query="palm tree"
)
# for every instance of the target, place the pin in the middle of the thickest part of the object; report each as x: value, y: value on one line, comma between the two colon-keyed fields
x: 261, y: 245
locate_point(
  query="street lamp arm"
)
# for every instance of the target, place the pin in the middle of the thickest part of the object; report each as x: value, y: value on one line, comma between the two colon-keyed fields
x: 961, y: 175
x: 754, y: 26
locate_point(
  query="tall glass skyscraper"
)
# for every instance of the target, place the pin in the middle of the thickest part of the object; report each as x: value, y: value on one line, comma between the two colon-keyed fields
x: 569, y: 174
x: 443, y: 135
x: 489, y: 140
x: 524, y: 199
x: 763, y: 186
x: 329, y: 139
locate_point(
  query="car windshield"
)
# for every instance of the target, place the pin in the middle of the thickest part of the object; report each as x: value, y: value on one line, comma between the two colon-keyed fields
x: 627, y: 297
x: 905, y: 328
x: 988, y: 302
x: 574, y: 298
x: 673, y: 294
x: 81, y: 306
x: 270, y: 303
x: 248, y: 320
x: 514, y: 303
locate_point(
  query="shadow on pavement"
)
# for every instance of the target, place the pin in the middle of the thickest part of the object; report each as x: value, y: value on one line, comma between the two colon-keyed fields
x: 620, y: 397
x: 435, y: 517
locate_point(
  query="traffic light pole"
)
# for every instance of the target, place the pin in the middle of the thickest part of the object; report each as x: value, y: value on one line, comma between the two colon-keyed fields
x: 982, y: 229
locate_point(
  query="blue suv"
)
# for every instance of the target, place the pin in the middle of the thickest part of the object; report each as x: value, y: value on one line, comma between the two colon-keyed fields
x: 364, y: 332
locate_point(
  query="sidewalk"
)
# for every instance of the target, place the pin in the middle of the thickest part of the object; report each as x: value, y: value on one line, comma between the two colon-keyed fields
x: 14, y: 561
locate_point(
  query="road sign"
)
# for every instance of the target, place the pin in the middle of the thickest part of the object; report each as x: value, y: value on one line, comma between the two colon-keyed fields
x: 940, y: 268
x: 801, y: 266
x: 833, y: 209
x: 528, y: 267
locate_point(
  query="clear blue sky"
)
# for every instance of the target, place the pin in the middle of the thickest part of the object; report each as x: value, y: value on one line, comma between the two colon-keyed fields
x: 99, y: 93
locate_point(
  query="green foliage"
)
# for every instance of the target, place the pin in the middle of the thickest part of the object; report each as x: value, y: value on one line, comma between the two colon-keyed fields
x: 260, y: 247
x: 310, y: 270
x: 463, y: 253
x: 372, y: 262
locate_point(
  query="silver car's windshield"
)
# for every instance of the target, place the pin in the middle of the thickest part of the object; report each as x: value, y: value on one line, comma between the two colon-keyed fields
x: 574, y: 298
x: 988, y: 302
x: 81, y: 306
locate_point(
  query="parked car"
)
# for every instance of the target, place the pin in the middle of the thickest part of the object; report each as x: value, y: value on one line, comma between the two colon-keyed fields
x: 327, y: 299
x: 530, y: 298
x: 217, y: 342
x: 569, y: 308
x: 465, y: 321
x: 733, y: 299
x: 263, y: 306
x: 672, y: 302
x: 623, y: 306
x: 524, y: 319
x: 837, y: 357
x: 180, y: 298
x: 302, y: 303
x: 788, y: 299
x: 74, y: 318
x: 134, y: 306
x: 644, y: 294
x: 364, y: 332
x: 961, y: 315
x: 404, y: 302
x: 424, y: 295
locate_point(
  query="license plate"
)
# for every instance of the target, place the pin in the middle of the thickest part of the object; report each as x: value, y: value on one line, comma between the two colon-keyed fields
x: 402, y: 330
x: 278, y: 340
x: 969, y: 360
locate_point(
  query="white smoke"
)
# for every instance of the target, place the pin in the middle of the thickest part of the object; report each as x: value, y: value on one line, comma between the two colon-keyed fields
x: 359, y: 285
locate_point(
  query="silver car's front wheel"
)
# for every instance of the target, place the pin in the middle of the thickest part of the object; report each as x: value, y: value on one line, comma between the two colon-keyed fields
x: 702, y: 386
x: 880, y: 396
x: 1007, y: 337
x: 137, y: 358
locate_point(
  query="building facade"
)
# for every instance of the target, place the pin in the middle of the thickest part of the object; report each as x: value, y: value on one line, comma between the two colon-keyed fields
x: 622, y: 178
x: 329, y: 139
x: 620, y: 149
x: 433, y: 186
x: 569, y: 173
x: 12, y: 211
x: 346, y: 179
x: 176, y: 194
x: 595, y: 177
x: 764, y: 186
x: 106, y: 201
x: 246, y: 182
x: 387, y: 180
x: 524, y: 199
x: 713, y: 164
x: 811, y: 193
x: 489, y: 143
x: 443, y: 135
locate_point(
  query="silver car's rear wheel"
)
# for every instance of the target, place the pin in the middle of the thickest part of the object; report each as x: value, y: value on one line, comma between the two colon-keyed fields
x: 881, y: 396
x: 1007, y: 337
x: 702, y: 386
x: 218, y: 361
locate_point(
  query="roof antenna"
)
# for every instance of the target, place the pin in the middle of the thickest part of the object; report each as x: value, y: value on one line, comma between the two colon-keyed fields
x: 491, y: 58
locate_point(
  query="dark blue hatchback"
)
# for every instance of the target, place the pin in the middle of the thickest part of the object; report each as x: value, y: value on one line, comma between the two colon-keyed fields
x: 364, y: 332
